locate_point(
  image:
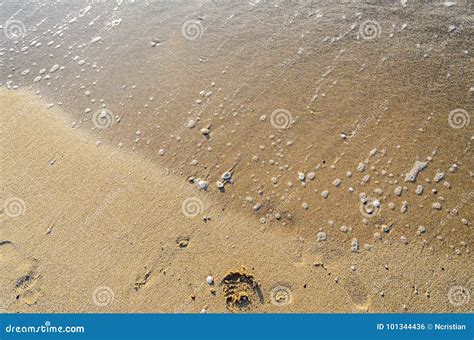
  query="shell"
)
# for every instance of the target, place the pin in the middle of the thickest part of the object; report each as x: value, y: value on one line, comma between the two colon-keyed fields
x: 226, y: 176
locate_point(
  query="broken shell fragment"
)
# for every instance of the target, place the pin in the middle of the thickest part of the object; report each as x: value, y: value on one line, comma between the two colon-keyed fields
x: 415, y: 170
x: 226, y: 176
x: 202, y: 185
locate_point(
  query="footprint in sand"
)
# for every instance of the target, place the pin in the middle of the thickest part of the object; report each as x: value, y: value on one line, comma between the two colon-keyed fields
x: 241, y: 291
x: 357, y: 292
x: 19, y: 277
x: 27, y: 287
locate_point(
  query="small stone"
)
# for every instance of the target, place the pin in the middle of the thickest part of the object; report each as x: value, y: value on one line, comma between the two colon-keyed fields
x: 398, y: 191
x: 54, y: 68
x: 305, y: 206
x: 404, y: 207
x: 403, y: 239
x: 355, y: 245
x: 336, y: 182
x: 325, y: 194
x: 438, y: 177
x: 321, y: 236
x: 161, y: 152
x: 301, y: 176
x: 311, y: 176
x: 210, y: 280
x: 437, y: 206
x: 421, y: 230
x: 202, y: 185
x: 361, y: 167
x: 419, y: 190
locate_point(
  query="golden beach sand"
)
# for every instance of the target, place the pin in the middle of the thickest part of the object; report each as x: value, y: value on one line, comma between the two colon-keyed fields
x: 109, y: 129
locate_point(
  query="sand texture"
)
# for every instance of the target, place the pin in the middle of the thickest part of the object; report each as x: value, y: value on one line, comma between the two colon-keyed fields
x: 344, y: 132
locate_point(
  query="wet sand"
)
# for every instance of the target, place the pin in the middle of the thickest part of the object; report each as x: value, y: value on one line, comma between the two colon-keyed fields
x: 99, y: 212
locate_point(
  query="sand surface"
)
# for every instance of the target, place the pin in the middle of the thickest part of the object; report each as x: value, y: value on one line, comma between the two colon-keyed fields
x: 100, y: 211
x: 98, y: 217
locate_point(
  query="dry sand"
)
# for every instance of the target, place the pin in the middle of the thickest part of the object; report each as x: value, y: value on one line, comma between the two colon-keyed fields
x: 100, y: 218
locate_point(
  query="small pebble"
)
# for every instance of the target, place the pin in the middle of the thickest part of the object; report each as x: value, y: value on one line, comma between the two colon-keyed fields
x: 321, y: 236
x: 438, y: 177
x: 355, y: 245
x: 421, y: 230
x: 398, y: 191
